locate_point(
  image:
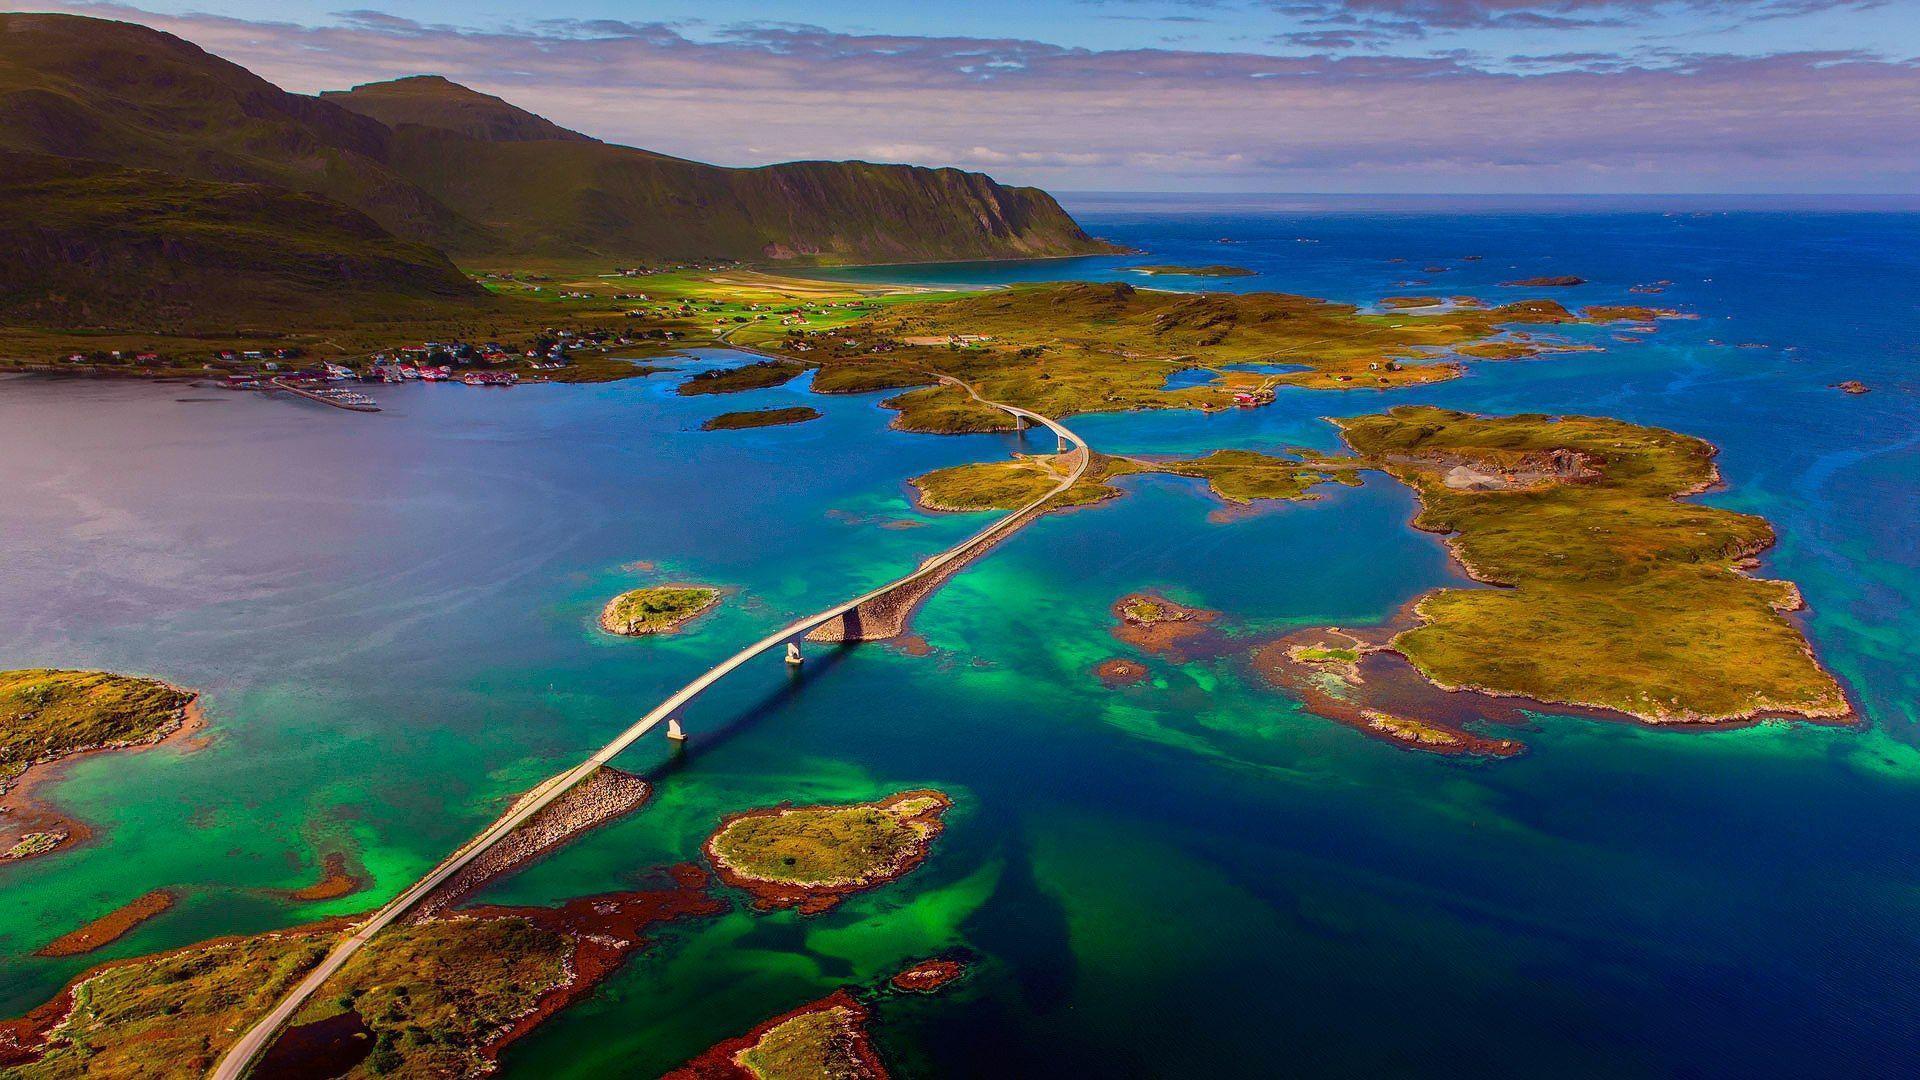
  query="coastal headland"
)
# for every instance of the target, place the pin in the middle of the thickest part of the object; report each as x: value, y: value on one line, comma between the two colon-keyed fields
x: 50, y: 716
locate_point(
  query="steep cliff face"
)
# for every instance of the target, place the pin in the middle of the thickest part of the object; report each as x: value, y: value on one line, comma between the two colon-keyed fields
x: 561, y: 198
x: 94, y: 244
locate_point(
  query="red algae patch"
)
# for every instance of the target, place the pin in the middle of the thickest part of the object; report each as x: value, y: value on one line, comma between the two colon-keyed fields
x: 604, y: 930
x: 1155, y: 624
x: 813, y: 857
x: 1346, y: 678
x: 1119, y: 671
x: 928, y: 976
x: 110, y: 927
x: 826, y: 1038
x: 336, y: 881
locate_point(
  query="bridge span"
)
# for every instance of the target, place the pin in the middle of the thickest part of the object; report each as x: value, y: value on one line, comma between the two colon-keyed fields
x: 878, y: 614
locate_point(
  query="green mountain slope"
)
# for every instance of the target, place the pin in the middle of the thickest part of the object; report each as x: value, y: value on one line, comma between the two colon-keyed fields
x: 431, y: 160
x: 94, y: 244
x: 116, y: 92
x: 544, y: 190
x: 435, y: 102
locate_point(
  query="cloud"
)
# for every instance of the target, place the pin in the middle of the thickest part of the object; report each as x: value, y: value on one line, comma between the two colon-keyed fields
x: 1548, y: 14
x: 1035, y: 112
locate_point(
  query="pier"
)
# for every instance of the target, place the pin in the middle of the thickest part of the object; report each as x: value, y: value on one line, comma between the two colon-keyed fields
x: 334, y: 396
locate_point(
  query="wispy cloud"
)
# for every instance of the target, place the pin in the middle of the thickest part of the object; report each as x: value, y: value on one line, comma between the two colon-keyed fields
x: 1149, y: 118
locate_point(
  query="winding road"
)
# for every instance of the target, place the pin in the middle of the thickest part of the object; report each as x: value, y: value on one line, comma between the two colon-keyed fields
x: 234, y: 1065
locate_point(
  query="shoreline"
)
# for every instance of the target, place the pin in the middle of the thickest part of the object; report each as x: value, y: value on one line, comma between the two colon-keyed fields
x: 28, y: 810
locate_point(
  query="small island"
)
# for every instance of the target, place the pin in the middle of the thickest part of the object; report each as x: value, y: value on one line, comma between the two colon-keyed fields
x: 48, y: 715
x: 656, y: 609
x: 822, y: 1039
x: 1154, y: 624
x: 813, y: 857
x: 1119, y: 671
x: 734, y: 380
x: 1217, y: 270
x: 1555, y: 281
x: 759, y: 418
x: 928, y: 976
x: 1235, y: 476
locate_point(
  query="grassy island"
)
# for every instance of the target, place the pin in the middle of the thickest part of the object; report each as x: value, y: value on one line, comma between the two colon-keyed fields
x: 1062, y: 349
x: 1618, y: 594
x: 734, y: 380
x: 1210, y: 270
x: 758, y: 418
x: 656, y: 609
x: 825, y: 1038
x: 1005, y: 485
x: 812, y: 857
x: 1237, y: 476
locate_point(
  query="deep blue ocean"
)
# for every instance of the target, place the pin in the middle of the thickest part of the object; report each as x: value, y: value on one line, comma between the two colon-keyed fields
x: 392, y: 617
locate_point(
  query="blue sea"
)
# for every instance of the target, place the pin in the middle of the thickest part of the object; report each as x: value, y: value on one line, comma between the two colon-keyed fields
x: 392, y: 618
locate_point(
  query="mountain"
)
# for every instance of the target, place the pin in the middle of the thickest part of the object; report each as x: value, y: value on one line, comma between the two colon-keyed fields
x: 545, y: 190
x: 116, y: 92
x: 91, y: 243
x: 433, y: 101
x: 192, y: 191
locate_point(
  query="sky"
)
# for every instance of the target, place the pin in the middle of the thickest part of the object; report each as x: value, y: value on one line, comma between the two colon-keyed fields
x: 1445, y: 96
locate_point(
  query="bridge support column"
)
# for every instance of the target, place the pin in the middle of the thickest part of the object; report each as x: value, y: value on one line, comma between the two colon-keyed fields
x: 1061, y: 445
x: 1019, y: 423
x: 673, y: 730
x: 793, y: 654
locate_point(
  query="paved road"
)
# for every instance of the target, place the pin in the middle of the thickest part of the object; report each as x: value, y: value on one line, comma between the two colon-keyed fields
x: 242, y: 1054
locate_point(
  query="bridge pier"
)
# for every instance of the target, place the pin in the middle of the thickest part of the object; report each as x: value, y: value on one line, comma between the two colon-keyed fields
x: 793, y: 654
x: 673, y: 730
x: 1060, y: 446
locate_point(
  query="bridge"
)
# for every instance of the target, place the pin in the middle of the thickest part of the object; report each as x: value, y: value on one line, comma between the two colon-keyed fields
x: 874, y: 615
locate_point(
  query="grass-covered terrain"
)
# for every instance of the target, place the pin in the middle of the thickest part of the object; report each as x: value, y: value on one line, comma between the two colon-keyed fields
x: 1062, y: 349
x: 91, y: 244
x: 813, y: 856
x: 168, y: 1017
x: 822, y: 1040
x: 1618, y: 593
x: 1003, y: 485
x: 758, y: 418
x: 1241, y: 476
x: 755, y: 376
x: 825, y: 1042
x: 1238, y: 476
x: 434, y: 993
x: 656, y: 609
x: 46, y: 714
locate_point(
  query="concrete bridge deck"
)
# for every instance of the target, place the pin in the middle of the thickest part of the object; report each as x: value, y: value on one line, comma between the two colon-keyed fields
x: 861, y: 619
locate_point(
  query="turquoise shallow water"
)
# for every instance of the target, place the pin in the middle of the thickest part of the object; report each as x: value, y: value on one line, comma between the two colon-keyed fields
x: 392, y: 617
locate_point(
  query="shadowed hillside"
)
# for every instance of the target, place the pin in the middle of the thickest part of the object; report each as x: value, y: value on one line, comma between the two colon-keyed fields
x: 92, y: 244
x: 116, y: 92
x: 545, y: 190
x: 431, y: 160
